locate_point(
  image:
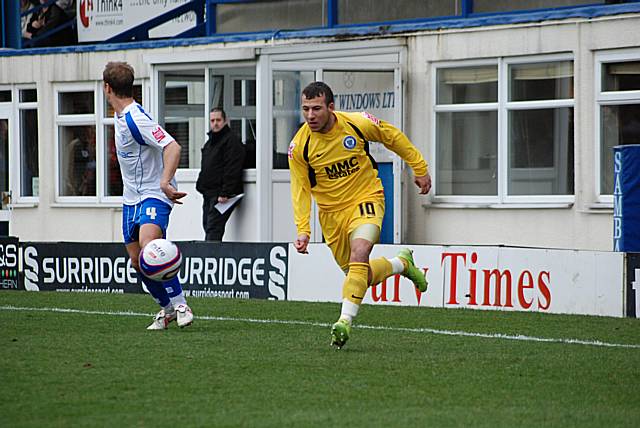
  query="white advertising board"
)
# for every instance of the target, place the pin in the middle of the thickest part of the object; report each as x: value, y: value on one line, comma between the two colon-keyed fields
x: 99, y: 20
x: 498, y: 278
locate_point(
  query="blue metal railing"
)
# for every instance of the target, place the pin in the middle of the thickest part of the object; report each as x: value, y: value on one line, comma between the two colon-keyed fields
x: 206, y: 14
x: 70, y: 23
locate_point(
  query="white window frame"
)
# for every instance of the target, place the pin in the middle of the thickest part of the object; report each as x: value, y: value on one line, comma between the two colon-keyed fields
x: 8, y: 112
x: 242, y: 111
x: 387, y: 56
x: 459, y: 108
x: 99, y: 121
x: 503, y: 106
x: 16, y: 179
x: 61, y: 120
x: 226, y: 67
x: 603, y: 98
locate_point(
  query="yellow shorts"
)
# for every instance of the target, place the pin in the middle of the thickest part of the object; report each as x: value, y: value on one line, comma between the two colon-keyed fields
x: 338, y: 227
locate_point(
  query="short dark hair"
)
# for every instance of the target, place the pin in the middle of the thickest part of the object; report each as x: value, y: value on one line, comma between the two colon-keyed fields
x: 119, y: 75
x: 318, y: 89
x: 221, y: 110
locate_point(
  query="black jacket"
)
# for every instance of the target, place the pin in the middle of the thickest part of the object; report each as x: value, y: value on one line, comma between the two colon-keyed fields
x: 53, y: 16
x: 221, y: 166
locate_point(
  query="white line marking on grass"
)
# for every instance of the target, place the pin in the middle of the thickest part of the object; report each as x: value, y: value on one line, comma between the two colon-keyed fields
x: 362, y: 326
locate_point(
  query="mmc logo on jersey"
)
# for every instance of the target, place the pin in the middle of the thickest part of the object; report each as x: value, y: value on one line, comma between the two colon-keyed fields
x: 342, y: 169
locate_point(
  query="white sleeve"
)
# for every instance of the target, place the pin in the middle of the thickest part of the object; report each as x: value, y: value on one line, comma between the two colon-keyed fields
x: 146, y: 131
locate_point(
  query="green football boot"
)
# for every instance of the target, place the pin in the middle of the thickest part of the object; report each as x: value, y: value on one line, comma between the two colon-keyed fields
x: 412, y: 272
x: 340, y: 333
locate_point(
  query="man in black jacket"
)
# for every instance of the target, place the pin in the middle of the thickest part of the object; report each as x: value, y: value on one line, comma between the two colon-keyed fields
x: 220, y: 174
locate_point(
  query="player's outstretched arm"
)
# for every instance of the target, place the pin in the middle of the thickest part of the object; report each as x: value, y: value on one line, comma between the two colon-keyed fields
x: 423, y: 183
x: 171, y: 159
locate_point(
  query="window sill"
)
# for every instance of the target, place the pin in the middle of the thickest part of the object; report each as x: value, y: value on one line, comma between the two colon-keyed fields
x: 111, y: 205
x: 599, y: 208
x: 514, y: 206
x: 21, y: 205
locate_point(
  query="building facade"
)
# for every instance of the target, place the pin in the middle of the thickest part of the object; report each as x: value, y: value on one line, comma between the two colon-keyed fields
x: 517, y: 121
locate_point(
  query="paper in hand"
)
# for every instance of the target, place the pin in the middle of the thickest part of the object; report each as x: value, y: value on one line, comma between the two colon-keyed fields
x: 222, y: 207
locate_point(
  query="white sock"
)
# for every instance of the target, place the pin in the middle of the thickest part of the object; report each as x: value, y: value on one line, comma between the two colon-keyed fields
x: 168, y: 309
x: 178, y: 300
x: 349, y: 310
x: 397, y: 265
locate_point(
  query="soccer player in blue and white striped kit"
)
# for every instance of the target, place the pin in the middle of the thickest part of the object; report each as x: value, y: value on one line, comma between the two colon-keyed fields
x: 148, y: 158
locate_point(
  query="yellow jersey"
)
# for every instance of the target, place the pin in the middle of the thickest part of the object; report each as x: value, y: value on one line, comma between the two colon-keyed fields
x: 336, y: 167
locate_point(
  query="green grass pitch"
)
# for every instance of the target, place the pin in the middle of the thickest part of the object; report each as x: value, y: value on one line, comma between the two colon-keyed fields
x: 269, y: 364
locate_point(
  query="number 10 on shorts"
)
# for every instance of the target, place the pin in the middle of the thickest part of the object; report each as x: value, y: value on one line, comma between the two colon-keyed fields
x: 367, y: 209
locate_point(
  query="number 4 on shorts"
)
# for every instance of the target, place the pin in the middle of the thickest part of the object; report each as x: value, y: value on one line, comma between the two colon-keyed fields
x: 151, y: 212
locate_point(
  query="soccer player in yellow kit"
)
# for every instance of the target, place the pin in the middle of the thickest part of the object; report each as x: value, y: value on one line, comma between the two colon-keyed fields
x: 329, y: 159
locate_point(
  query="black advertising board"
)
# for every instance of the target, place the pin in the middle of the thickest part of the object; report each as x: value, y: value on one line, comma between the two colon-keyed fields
x: 10, y: 278
x: 632, y: 292
x: 228, y: 270
x: 78, y: 267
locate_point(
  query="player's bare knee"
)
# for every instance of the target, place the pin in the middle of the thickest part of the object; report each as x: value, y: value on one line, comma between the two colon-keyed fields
x: 360, y: 251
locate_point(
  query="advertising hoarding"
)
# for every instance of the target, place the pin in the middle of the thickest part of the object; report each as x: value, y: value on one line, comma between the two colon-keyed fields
x: 632, y: 286
x: 472, y: 277
x: 101, y: 20
x: 228, y: 270
x: 10, y: 277
x: 503, y: 278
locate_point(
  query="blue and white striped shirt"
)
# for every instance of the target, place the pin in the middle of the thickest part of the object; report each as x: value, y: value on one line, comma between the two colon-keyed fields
x: 139, y: 144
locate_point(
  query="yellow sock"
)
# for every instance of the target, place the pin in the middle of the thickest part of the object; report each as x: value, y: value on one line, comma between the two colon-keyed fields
x: 381, y: 269
x: 355, y: 284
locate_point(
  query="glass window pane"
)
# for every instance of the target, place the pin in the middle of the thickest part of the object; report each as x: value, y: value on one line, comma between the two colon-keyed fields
x: 237, y: 93
x: 363, y: 11
x: 244, y: 92
x: 77, y: 155
x: 621, y: 76
x: 541, y: 81
x: 246, y: 130
x: 467, y: 85
x: 270, y: 15
x: 28, y: 95
x: 182, y: 112
x: 620, y: 125
x: 484, y: 6
x: 137, y: 95
x: 234, y: 90
x: 179, y: 130
x: 287, y: 116
x: 4, y: 155
x: 216, y: 95
x: 541, y: 157
x: 467, y: 148
x: 29, y: 171
x: 5, y: 96
x: 75, y: 102
x: 113, y: 182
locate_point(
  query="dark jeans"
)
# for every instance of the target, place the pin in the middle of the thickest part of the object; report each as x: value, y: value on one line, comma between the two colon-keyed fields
x: 212, y: 221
